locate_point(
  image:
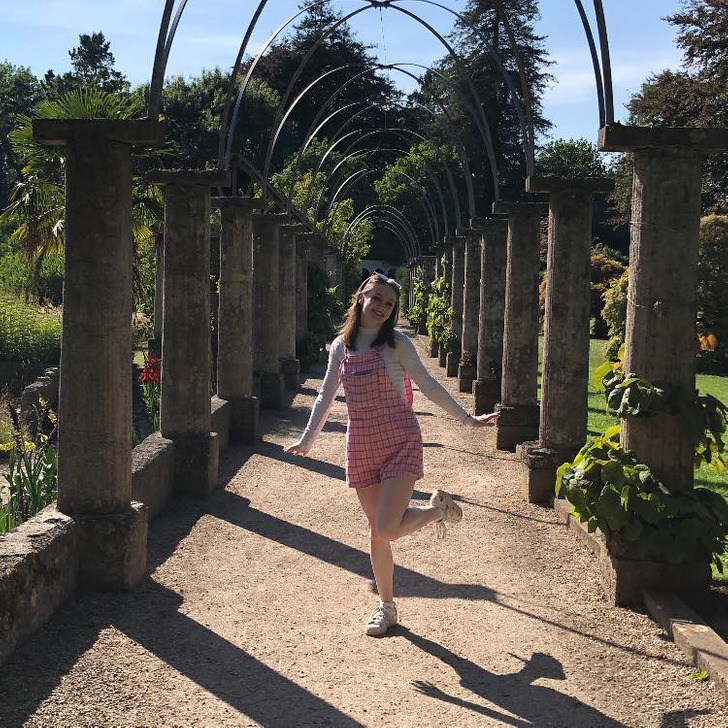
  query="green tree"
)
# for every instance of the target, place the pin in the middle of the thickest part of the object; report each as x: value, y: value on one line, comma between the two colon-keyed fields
x: 713, y: 281
x: 571, y: 158
x: 696, y: 96
x: 93, y: 67
x: 20, y: 91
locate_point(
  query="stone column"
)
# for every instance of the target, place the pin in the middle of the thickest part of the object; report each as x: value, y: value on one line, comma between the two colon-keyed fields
x: 471, y: 309
x: 290, y: 366
x: 660, y: 333
x: 303, y: 242
x: 456, y: 299
x: 95, y: 410
x: 662, y: 303
x: 267, y: 307
x: 492, y: 275
x: 235, y: 316
x: 565, y: 377
x: 519, y: 410
x: 186, y: 354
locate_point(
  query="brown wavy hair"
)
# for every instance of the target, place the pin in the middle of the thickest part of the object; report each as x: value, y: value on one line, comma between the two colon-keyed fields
x: 350, y: 328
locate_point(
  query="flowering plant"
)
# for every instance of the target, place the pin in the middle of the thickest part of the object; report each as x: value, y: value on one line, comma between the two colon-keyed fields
x: 150, y: 379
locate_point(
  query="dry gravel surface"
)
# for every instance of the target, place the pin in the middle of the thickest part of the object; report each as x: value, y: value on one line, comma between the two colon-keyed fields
x: 254, y: 608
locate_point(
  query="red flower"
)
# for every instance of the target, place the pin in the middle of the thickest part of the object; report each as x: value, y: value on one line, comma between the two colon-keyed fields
x: 152, y: 370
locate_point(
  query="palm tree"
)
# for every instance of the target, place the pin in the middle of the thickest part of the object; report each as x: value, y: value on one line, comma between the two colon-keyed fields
x: 37, y: 202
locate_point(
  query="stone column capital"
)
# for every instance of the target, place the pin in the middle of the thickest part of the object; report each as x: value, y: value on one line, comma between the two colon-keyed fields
x: 134, y: 132
x: 189, y: 177
x: 589, y: 185
x: 250, y: 204
x: 619, y: 138
x: 521, y: 208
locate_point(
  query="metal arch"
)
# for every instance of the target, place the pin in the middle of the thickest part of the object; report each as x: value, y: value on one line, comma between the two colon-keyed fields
x: 430, y: 174
x: 370, y: 4
x: 387, y: 225
x: 606, y: 62
x: 427, y: 213
x: 399, y: 68
x: 528, y: 135
x: 463, y: 161
x: 425, y: 201
x: 396, y: 219
x: 165, y: 40
x: 398, y: 132
x: 449, y: 127
x: 595, y: 60
x: 407, y: 244
x: 433, y: 180
x: 277, y: 131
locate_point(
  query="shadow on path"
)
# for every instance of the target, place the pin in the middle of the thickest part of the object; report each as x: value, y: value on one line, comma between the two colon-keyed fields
x: 516, y: 693
x: 232, y: 508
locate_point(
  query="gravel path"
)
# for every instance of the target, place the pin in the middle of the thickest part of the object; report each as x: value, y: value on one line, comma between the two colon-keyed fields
x: 253, y: 613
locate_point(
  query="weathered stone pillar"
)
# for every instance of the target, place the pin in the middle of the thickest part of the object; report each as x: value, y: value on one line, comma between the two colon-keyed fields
x: 267, y: 306
x: 519, y: 410
x: 186, y: 354
x: 290, y: 366
x: 235, y: 317
x: 565, y: 377
x: 492, y: 269
x: 661, y: 312
x: 303, y: 242
x: 456, y: 299
x: 471, y: 308
x: 95, y: 410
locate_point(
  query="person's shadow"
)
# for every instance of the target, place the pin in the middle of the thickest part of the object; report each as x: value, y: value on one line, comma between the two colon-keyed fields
x: 530, y: 705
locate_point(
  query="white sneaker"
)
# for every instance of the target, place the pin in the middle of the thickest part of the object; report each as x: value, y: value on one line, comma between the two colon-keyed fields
x: 451, y: 511
x: 383, y: 617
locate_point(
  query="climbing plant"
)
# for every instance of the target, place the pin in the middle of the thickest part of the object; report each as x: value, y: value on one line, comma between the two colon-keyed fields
x: 418, y: 311
x: 439, y: 312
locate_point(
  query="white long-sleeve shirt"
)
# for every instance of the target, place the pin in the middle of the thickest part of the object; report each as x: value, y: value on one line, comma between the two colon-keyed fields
x: 398, y: 360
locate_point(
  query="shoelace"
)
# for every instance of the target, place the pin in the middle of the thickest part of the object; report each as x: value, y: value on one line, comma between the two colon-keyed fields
x: 378, y: 615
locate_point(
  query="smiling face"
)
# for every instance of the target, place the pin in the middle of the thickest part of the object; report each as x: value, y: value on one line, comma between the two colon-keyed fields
x: 377, y: 305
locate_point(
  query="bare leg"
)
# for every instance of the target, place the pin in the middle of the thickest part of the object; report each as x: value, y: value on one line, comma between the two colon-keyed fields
x: 394, y: 518
x: 380, y: 550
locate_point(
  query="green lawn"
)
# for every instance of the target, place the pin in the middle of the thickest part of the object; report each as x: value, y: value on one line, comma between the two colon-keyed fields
x: 599, y: 420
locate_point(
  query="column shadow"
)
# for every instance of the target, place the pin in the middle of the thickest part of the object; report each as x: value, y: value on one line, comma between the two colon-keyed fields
x: 276, y: 452
x: 236, y: 510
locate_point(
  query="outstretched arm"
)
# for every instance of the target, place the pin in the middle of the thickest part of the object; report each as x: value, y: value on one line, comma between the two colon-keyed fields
x: 432, y: 389
x: 322, y: 405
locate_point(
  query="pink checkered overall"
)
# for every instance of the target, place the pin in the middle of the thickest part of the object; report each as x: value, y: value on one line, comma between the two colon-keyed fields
x: 383, y: 438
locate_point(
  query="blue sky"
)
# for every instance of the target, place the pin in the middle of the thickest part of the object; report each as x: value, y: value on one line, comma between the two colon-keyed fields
x: 39, y: 33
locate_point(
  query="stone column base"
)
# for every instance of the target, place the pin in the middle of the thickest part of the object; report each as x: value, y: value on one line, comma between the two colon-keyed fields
x: 539, y: 465
x: 452, y: 364
x: 290, y: 368
x: 515, y: 425
x: 434, y: 349
x: 624, y: 577
x: 244, y: 420
x: 442, y: 358
x: 113, y: 549
x: 271, y: 390
x: 487, y: 394
x: 466, y: 377
x: 196, y: 459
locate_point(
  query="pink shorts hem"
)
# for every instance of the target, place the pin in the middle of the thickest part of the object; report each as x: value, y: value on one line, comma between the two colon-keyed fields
x: 416, y: 476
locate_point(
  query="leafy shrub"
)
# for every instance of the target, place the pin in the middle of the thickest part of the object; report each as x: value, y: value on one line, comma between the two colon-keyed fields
x: 615, y: 314
x: 439, y: 313
x: 324, y: 312
x: 713, y: 290
x: 417, y: 315
x: 604, y: 271
x: 17, y: 277
x: 611, y: 490
x: 28, y: 333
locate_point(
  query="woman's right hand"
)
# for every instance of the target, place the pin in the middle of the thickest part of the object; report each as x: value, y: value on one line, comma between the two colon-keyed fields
x: 297, y: 449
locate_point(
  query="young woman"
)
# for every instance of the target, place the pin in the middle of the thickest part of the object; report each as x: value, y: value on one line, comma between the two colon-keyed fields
x: 374, y: 362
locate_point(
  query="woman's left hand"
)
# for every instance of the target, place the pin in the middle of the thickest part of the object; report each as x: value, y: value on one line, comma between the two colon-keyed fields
x: 485, y: 420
